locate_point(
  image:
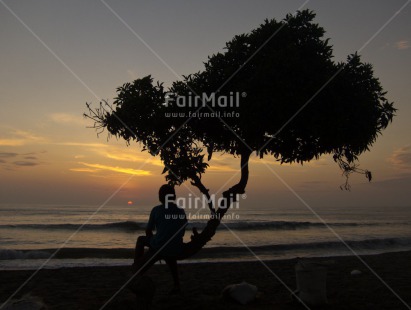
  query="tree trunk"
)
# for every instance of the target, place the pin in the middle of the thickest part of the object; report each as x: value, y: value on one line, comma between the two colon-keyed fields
x: 198, y: 240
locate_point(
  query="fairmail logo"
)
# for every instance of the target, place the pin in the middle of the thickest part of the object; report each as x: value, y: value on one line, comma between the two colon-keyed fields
x: 212, y: 100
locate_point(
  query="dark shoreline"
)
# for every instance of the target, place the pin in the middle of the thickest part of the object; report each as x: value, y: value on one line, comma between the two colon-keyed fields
x: 202, y: 283
x: 281, y: 251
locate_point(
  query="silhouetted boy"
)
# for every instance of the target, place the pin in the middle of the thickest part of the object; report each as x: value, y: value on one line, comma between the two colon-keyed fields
x: 169, y: 221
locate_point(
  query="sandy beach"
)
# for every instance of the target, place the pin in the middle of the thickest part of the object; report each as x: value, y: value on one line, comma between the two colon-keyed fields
x: 202, y: 284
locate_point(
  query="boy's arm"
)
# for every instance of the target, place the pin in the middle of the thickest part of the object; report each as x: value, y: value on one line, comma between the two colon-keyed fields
x: 184, y: 221
x: 150, y: 224
x: 149, y: 232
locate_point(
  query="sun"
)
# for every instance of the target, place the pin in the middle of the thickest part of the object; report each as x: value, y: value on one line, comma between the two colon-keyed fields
x: 129, y: 202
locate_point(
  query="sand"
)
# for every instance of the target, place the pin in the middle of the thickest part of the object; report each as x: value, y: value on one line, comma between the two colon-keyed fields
x: 202, y: 283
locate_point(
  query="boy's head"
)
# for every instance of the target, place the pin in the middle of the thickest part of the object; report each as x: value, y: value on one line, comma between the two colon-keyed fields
x: 166, y: 193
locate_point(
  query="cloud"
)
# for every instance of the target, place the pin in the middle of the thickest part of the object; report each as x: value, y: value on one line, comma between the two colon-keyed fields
x: 114, y: 168
x: 66, y: 118
x: 20, y: 160
x: 29, y: 136
x: 402, y: 45
x: 314, y: 185
x: 216, y: 165
x: 221, y: 168
x: 132, y: 158
x: 11, y: 142
x: 267, y: 159
x: 30, y: 157
x: 404, y: 158
x: 25, y: 163
x: 84, y: 170
x: 8, y: 155
x: 95, y: 145
x: 33, y: 153
x: 401, y: 157
x: 402, y: 181
x: 132, y: 74
x: 21, y: 137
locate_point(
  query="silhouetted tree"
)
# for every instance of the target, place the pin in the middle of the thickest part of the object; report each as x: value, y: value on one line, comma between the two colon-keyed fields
x: 298, y: 104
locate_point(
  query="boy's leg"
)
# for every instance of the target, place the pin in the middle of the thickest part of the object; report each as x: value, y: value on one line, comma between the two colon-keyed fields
x: 172, y: 264
x: 142, y: 241
x: 139, y: 284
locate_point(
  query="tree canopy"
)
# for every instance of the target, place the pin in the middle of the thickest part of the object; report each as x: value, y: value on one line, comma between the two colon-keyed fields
x: 296, y: 104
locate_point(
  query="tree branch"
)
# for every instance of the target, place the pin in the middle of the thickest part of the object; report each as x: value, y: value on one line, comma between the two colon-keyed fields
x: 230, y: 195
x: 198, y: 240
x: 197, y: 183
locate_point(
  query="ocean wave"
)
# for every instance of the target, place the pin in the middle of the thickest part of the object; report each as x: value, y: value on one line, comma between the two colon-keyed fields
x: 376, y: 243
x: 383, y: 244
x: 131, y: 226
x: 26, y: 254
x: 125, y: 226
x: 286, y: 225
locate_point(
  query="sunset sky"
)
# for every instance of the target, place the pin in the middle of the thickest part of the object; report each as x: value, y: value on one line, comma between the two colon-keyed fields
x: 58, y: 55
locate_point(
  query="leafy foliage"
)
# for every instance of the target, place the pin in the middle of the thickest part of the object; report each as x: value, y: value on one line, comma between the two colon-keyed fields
x: 280, y: 75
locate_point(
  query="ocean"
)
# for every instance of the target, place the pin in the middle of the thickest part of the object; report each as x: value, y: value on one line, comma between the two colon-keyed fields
x: 55, y: 236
